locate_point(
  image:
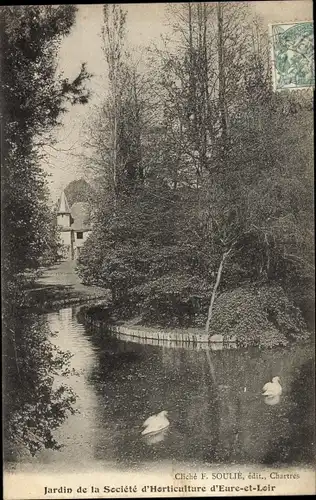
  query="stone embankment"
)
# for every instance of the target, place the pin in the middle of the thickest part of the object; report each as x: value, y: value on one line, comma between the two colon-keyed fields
x: 60, y: 286
x: 188, y: 338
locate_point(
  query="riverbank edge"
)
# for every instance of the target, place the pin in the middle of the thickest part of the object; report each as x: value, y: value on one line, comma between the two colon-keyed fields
x: 183, y: 336
x: 134, y: 329
x: 42, y: 297
x: 43, y: 304
x: 189, y: 335
x: 130, y: 329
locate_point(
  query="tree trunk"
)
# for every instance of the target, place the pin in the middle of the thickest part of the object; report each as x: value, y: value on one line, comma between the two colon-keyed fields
x: 218, y: 279
x: 114, y: 152
x: 221, y: 74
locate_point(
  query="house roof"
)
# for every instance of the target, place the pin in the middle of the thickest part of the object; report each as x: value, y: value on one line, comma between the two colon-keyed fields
x: 63, y: 207
x: 80, y: 213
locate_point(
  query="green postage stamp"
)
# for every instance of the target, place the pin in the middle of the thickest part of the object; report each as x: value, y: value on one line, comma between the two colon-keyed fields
x: 292, y: 55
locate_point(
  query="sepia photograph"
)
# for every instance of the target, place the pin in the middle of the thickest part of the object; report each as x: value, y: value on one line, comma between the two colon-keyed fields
x: 157, y: 237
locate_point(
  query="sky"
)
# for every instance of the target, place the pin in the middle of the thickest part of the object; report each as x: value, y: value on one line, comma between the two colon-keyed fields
x: 145, y: 24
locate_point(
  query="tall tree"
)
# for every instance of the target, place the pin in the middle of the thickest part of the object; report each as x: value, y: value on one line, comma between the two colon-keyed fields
x: 113, y: 45
x: 33, y: 99
x: 208, y: 217
x: 120, y: 127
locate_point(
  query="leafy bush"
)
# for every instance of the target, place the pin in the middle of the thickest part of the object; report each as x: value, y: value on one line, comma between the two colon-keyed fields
x: 34, y: 404
x: 261, y: 316
x: 159, y: 247
x: 174, y: 300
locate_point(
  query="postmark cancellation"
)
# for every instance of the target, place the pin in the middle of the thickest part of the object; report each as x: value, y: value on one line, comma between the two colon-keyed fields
x: 292, y: 47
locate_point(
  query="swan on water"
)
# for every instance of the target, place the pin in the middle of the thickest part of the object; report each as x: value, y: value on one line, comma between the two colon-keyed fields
x: 272, y: 389
x: 156, y: 423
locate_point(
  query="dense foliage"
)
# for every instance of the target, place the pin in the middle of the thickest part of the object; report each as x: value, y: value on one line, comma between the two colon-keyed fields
x: 34, y: 405
x: 79, y: 191
x: 262, y: 316
x: 212, y: 186
x: 33, y: 99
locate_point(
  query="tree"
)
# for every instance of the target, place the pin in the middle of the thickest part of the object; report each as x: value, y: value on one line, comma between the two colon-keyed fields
x: 113, y: 46
x: 33, y: 99
x: 218, y: 210
x: 79, y: 191
x: 116, y: 133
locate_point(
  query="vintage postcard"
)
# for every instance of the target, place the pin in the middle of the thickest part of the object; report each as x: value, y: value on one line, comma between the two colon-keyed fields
x: 158, y: 250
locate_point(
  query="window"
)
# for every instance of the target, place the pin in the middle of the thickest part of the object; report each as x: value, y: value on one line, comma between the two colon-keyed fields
x: 79, y: 236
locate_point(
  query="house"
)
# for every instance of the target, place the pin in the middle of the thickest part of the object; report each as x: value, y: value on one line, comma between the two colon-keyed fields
x: 74, y: 225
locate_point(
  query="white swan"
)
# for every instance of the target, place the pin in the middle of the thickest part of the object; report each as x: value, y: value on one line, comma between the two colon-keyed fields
x: 156, y: 423
x: 272, y: 400
x: 272, y: 389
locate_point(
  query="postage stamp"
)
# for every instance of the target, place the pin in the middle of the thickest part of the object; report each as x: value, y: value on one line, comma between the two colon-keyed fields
x: 292, y: 55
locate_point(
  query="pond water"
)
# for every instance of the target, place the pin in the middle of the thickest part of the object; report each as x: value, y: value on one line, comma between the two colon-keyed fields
x: 215, y: 405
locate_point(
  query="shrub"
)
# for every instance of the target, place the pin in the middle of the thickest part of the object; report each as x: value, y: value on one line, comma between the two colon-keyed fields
x: 174, y: 300
x: 259, y: 316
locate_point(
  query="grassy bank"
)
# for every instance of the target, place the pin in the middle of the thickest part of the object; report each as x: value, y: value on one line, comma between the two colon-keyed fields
x: 51, y: 297
x: 56, y: 286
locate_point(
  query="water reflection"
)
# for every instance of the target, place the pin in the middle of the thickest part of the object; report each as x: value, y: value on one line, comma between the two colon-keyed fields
x: 79, y: 434
x: 214, y: 401
x: 221, y: 418
x: 272, y: 400
x: 37, y: 399
x: 157, y: 437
